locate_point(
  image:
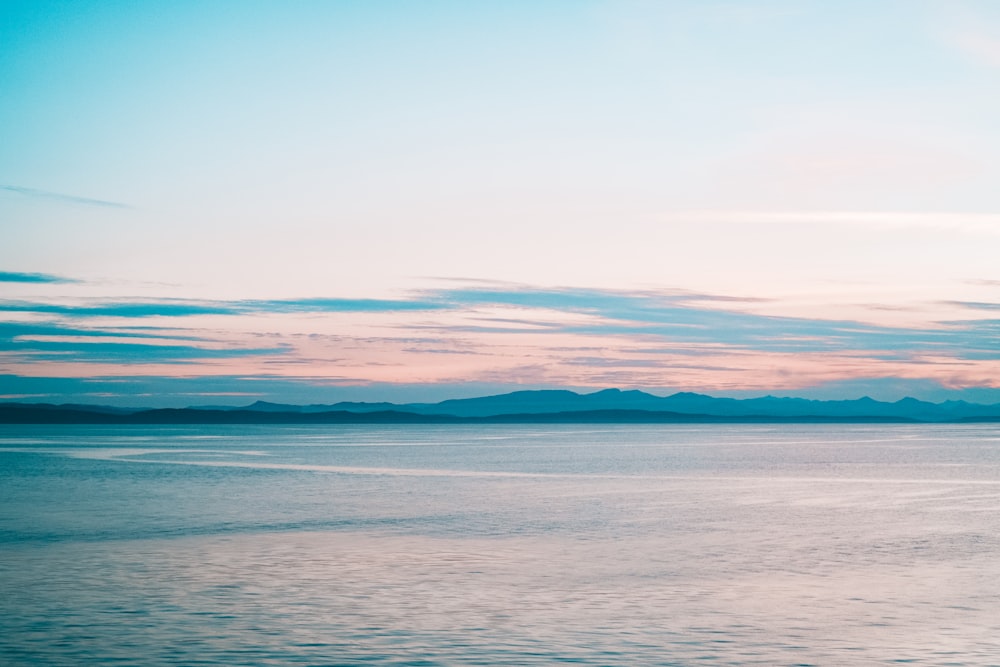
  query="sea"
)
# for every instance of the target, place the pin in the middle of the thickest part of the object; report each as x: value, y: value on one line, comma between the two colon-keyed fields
x: 704, y: 544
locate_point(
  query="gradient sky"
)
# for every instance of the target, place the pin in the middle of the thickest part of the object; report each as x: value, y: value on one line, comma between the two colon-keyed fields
x: 214, y: 202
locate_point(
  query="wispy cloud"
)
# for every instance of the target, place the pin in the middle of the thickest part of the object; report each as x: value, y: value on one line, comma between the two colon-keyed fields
x: 64, y: 198
x: 87, y: 351
x: 483, y: 332
x: 189, y: 308
x: 948, y: 221
x: 974, y: 31
x: 162, y: 308
x: 16, y: 277
x: 686, y: 318
x: 673, y: 316
x: 53, y: 342
x: 10, y: 331
x: 339, y: 305
x: 983, y: 47
x: 975, y: 305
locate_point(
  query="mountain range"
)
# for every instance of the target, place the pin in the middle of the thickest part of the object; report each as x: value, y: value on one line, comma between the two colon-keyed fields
x: 539, y: 406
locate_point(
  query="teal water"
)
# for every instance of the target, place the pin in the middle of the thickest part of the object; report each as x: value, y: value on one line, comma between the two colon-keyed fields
x: 500, y: 545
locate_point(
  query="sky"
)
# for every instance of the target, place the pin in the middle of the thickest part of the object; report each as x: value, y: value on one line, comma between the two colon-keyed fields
x: 218, y: 202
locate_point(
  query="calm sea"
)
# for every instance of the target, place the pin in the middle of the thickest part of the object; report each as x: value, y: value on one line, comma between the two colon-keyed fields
x: 500, y: 545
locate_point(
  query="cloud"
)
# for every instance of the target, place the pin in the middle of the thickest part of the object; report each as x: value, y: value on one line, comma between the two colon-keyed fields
x: 947, y: 221
x: 487, y: 332
x: 15, y: 277
x: 981, y: 46
x: 58, y: 197
x: 122, y: 309
x: 338, y: 305
x: 186, y: 308
x: 674, y: 319
x: 975, y: 305
x: 9, y: 331
x: 100, y: 351
x: 973, y: 32
x: 33, y: 343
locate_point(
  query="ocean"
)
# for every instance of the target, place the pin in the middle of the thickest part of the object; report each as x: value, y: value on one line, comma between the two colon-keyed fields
x: 802, y: 544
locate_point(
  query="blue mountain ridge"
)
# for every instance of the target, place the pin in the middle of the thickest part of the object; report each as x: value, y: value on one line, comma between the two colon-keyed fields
x: 532, y: 406
x: 561, y: 401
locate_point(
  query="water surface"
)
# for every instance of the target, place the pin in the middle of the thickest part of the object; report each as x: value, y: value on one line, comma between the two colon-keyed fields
x: 500, y: 544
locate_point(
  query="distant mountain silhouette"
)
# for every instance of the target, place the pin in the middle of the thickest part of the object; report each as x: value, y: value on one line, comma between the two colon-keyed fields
x: 549, y: 401
x: 542, y: 406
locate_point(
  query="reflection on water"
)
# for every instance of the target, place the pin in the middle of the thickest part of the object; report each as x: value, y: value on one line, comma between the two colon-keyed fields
x: 625, y: 545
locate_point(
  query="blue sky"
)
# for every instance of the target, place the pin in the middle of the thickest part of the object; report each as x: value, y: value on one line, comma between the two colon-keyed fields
x: 431, y: 199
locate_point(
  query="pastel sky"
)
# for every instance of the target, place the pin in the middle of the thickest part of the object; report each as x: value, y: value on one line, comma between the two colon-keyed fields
x: 217, y: 202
